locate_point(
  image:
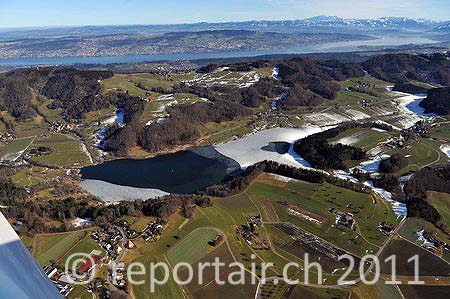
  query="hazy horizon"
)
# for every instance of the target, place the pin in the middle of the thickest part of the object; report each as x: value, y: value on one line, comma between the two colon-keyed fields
x: 52, y: 13
x: 193, y: 23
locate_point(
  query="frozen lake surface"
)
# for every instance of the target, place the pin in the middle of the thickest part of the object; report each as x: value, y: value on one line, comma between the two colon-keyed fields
x: 250, y: 150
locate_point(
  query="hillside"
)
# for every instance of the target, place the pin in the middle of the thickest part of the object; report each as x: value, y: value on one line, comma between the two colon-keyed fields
x: 437, y: 101
x: 401, y: 68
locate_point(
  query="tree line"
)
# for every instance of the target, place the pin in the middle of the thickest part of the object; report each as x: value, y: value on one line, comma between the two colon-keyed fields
x: 424, y: 180
x: 437, y: 101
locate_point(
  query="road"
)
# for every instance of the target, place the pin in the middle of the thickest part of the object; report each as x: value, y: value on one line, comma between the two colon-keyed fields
x: 117, y: 261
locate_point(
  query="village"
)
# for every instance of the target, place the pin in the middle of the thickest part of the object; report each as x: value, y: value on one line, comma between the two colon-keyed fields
x: 113, y: 240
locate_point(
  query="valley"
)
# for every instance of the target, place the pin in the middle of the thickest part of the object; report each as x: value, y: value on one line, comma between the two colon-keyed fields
x: 271, y: 159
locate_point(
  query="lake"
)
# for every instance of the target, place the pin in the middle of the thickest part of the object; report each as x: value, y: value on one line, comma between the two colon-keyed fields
x: 181, y: 172
x: 345, y: 46
x: 191, y: 170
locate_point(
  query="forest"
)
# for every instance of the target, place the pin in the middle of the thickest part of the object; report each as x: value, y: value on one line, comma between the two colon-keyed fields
x: 402, y: 68
x: 76, y: 91
x: 437, y: 101
x: 394, y: 163
x: 323, y: 155
x: 427, y: 179
x: 52, y: 215
x: 302, y: 82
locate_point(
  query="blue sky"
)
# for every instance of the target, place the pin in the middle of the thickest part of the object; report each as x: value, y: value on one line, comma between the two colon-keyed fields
x: 27, y: 13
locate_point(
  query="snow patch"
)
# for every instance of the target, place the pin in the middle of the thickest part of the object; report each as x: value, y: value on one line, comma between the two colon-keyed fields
x: 399, y: 208
x: 118, y: 117
x: 80, y: 222
x: 445, y: 148
x: 248, y: 150
x: 424, y: 241
x: 378, y: 130
x: 411, y: 110
x: 275, y: 72
x: 372, y: 165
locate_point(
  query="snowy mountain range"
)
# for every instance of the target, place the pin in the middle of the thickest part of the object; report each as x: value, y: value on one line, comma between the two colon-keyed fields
x: 333, y: 21
x: 314, y: 24
x: 443, y: 28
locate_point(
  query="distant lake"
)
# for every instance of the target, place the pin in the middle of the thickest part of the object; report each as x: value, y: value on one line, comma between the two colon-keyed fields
x: 180, y: 172
x: 126, y: 58
x: 346, y: 46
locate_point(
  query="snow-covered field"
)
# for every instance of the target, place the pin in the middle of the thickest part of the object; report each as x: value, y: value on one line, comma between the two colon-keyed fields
x: 349, y: 140
x: 378, y: 111
x: 445, y: 148
x: 324, y: 118
x: 118, y: 117
x: 332, y: 118
x: 410, y: 110
x: 113, y: 193
x: 247, y: 151
x: 373, y: 165
x: 225, y: 77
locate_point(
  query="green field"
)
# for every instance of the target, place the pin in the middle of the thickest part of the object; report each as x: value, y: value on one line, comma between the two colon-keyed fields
x: 154, y: 252
x: 79, y: 292
x: 387, y: 291
x: 138, y: 223
x: 364, y: 138
x: 193, y: 247
x: 27, y: 128
x: 49, y: 247
x: 442, y: 133
x: 441, y: 201
x: 377, y: 88
x: 414, y: 225
x: 213, y: 133
x: 318, y: 198
x: 66, y: 152
x: 50, y: 114
x: 30, y: 176
x: 129, y: 82
x: 420, y: 153
x: 186, y: 240
x: 85, y: 246
x: 12, y: 150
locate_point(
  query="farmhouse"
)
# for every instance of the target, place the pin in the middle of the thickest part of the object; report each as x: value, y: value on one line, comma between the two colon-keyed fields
x: 89, y: 263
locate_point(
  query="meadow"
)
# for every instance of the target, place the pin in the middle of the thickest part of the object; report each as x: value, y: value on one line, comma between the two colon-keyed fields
x: 441, y: 201
x: 66, y: 152
x: 50, y: 246
x: 13, y: 149
x: 192, y: 247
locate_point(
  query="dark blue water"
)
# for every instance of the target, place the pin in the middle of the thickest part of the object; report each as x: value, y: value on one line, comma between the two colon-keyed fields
x: 180, y: 172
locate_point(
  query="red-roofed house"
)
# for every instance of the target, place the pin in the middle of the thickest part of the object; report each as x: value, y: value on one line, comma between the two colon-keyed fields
x: 89, y: 263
